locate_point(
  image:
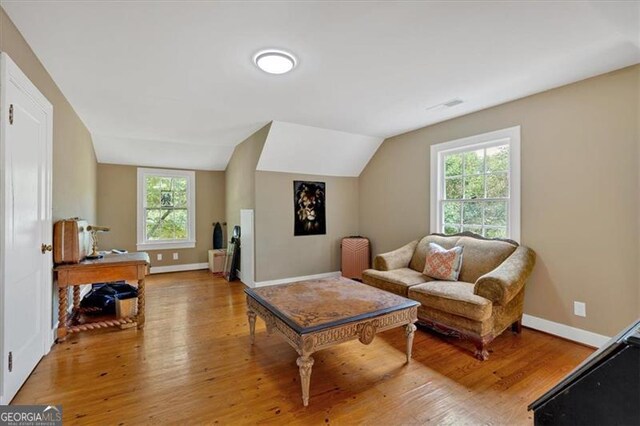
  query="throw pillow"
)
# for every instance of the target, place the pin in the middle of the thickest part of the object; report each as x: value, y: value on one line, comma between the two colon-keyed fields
x: 443, y: 264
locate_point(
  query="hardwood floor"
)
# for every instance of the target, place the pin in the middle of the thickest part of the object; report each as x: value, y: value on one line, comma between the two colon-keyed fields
x: 193, y: 364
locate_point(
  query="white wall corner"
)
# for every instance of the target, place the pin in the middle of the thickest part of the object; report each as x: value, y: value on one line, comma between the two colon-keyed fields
x: 247, y: 242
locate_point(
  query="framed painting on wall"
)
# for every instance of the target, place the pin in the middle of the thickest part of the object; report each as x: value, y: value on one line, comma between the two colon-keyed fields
x: 309, y: 208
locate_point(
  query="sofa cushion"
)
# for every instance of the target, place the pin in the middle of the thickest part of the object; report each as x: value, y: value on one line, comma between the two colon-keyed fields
x: 396, y: 281
x: 443, y: 264
x: 482, y: 256
x: 455, y: 297
x: 420, y: 255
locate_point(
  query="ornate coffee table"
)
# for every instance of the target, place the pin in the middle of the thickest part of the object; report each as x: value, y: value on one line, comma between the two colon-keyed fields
x: 317, y: 314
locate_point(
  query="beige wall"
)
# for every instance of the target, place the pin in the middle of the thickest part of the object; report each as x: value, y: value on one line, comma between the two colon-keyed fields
x: 117, y: 205
x: 240, y: 176
x: 281, y: 255
x: 74, y: 161
x: 580, y: 194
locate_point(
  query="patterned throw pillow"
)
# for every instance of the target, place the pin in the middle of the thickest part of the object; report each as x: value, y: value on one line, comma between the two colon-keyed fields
x: 443, y: 264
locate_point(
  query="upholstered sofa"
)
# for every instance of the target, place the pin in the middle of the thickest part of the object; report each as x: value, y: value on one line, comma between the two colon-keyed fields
x: 487, y: 299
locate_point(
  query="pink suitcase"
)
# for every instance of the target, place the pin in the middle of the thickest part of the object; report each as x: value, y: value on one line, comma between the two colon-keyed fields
x: 356, y: 256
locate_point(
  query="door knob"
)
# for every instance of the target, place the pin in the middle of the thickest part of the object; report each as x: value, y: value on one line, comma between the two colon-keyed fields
x: 46, y: 247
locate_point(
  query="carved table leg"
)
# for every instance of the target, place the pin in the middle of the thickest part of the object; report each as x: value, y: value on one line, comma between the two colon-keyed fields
x: 76, y: 297
x: 410, y: 330
x: 62, y: 313
x: 140, y: 318
x: 305, y: 363
x: 252, y: 325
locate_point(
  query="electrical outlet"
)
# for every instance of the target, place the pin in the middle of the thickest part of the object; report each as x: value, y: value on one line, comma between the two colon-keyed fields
x: 580, y: 309
x: 175, y: 256
x: 159, y: 256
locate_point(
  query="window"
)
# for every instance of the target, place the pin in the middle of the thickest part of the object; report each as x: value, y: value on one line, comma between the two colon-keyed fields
x: 166, y: 209
x: 475, y: 185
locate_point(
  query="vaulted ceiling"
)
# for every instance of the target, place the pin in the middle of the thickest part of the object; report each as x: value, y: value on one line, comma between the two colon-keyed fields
x: 172, y: 83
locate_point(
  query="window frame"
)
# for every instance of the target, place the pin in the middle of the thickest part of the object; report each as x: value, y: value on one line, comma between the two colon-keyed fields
x: 142, y: 242
x: 509, y: 136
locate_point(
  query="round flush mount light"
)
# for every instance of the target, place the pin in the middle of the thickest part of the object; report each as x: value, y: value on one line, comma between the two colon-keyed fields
x: 274, y: 61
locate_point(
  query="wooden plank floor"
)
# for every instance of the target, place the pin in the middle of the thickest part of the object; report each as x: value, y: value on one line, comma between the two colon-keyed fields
x: 192, y: 364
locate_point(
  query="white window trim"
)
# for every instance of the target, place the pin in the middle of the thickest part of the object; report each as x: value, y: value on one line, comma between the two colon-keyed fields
x: 509, y: 136
x: 190, y: 242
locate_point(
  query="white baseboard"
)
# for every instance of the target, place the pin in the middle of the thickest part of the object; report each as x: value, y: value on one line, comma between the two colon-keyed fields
x: 179, y: 268
x: 565, y: 331
x: 294, y: 279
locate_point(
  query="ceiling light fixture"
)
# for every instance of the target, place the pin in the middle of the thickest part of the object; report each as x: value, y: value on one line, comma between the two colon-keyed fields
x: 274, y: 61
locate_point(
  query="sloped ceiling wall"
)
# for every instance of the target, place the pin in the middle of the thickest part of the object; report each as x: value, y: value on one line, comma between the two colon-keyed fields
x: 156, y: 153
x: 294, y: 148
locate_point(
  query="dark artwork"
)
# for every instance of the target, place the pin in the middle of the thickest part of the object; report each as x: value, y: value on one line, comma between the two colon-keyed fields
x: 309, y: 208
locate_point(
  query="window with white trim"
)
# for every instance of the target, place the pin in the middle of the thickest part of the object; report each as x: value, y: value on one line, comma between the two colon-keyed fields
x: 166, y: 209
x: 475, y: 185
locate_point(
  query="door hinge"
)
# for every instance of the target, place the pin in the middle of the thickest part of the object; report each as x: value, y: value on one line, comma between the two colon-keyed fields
x: 10, y: 361
x: 11, y: 114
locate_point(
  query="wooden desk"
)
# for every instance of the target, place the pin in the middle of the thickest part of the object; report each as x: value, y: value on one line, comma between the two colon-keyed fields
x: 112, y: 267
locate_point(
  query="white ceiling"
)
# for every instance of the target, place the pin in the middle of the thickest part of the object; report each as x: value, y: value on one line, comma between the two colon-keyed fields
x: 173, y: 82
x: 295, y: 148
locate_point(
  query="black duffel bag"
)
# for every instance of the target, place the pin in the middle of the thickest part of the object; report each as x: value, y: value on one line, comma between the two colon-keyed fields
x: 101, y: 299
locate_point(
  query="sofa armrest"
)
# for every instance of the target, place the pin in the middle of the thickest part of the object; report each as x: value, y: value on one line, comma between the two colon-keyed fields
x: 396, y: 259
x: 504, y: 282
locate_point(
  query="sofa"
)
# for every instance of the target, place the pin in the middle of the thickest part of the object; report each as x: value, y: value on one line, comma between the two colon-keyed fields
x: 487, y: 299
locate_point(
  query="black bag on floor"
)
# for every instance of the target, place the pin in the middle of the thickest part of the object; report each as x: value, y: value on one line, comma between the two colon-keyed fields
x: 101, y: 299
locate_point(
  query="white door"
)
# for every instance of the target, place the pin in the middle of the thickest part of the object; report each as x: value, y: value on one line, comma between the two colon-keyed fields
x: 25, y: 224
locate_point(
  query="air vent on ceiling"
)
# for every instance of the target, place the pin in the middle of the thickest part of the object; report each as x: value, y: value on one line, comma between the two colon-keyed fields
x: 449, y: 104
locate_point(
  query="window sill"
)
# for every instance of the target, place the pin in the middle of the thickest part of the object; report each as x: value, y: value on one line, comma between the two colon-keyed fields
x: 168, y: 245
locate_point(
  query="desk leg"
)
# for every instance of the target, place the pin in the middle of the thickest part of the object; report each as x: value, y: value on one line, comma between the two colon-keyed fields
x: 76, y: 296
x: 62, y: 313
x: 140, y: 317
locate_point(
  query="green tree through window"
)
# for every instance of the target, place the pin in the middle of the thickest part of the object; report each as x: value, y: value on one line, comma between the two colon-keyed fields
x: 476, y: 192
x: 166, y: 210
